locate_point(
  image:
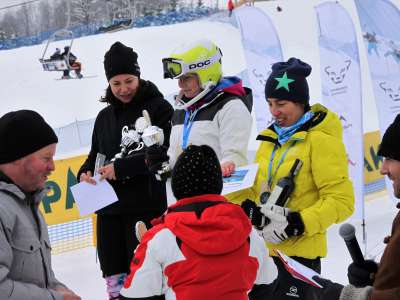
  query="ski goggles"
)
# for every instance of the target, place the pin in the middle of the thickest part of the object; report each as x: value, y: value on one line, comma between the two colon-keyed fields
x: 174, y: 68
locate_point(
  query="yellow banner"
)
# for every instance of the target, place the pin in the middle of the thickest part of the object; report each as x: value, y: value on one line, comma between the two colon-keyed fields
x: 59, y: 205
x: 372, y: 162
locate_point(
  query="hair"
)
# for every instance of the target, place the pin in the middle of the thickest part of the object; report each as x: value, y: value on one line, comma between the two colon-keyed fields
x: 109, y: 97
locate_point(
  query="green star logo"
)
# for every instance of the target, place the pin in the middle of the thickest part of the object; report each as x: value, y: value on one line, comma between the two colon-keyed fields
x: 283, y: 82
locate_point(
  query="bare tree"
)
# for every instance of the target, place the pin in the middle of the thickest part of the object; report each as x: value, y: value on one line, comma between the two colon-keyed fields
x: 10, y: 24
x: 60, y: 17
x: 83, y: 11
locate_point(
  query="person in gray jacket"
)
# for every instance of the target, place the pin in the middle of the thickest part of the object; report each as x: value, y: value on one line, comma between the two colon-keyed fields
x: 27, y: 148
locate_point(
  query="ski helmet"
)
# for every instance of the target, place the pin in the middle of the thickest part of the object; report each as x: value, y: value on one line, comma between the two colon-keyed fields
x: 202, y: 57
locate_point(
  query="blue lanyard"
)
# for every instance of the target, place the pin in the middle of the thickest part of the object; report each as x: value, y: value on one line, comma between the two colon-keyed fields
x: 187, y: 127
x: 271, y: 160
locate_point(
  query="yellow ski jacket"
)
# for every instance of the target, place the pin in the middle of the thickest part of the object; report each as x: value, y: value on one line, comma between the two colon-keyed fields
x: 323, y: 193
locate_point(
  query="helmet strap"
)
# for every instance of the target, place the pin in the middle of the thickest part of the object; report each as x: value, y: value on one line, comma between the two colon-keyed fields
x: 180, y: 104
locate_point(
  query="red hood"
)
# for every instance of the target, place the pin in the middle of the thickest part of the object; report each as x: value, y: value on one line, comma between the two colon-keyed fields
x: 221, y: 228
x: 236, y: 89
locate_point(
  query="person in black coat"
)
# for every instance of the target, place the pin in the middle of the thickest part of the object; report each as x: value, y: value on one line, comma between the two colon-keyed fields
x: 73, y: 63
x: 140, y: 195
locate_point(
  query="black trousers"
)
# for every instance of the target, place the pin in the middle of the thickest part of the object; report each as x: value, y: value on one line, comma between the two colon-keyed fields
x: 116, y: 241
x: 286, y: 287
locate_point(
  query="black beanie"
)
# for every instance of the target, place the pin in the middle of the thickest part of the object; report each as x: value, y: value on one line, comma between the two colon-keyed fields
x: 197, y: 171
x: 390, y: 145
x: 120, y: 59
x: 287, y: 81
x: 23, y: 132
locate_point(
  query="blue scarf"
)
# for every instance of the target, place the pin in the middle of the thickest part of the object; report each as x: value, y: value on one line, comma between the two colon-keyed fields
x: 284, y: 133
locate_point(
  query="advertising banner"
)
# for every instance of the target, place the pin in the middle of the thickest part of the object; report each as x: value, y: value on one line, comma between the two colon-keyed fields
x: 341, y: 86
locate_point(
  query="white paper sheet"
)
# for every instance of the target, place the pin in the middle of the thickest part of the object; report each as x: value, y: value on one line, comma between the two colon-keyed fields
x: 298, y: 270
x: 241, y: 179
x: 90, y: 198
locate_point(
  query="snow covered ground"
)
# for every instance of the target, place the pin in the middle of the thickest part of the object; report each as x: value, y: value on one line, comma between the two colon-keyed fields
x: 25, y: 85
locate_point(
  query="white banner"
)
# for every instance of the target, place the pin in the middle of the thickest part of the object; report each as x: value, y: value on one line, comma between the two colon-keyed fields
x: 341, y: 86
x: 261, y: 49
x: 380, y: 25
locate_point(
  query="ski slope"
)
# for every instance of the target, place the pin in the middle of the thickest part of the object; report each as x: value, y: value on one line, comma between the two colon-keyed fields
x: 25, y: 86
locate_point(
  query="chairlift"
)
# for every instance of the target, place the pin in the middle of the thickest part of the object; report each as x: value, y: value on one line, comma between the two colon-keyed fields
x: 122, y: 19
x: 59, y: 64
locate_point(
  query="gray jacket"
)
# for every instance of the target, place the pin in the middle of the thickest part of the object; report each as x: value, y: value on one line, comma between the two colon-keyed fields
x: 25, y: 258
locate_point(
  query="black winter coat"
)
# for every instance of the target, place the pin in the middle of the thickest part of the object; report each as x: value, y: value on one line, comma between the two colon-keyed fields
x: 137, y: 189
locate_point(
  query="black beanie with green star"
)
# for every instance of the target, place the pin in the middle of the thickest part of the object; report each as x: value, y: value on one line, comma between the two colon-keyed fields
x: 287, y: 81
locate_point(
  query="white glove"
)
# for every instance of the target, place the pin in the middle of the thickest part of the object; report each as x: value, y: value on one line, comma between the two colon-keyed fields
x: 274, y: 232
x: 274, y: 209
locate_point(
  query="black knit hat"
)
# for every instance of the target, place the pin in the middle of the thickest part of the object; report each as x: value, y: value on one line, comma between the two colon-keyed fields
x: 196, y: 172
x: 390, y: 145
x: 23, y: 132
x: 120, y: 59
x: 287, y: 81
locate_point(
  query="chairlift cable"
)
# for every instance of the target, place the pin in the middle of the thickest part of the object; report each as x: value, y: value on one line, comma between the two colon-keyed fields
x: 19, y: 4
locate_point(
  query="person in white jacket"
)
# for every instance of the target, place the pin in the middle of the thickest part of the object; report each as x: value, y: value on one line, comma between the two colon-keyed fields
x: 210, y: 109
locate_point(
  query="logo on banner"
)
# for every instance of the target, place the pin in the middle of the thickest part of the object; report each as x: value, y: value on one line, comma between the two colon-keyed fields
x: 345, y: 122
x: 337, y: 75
x: 391, y: 90
x: 260, y: 76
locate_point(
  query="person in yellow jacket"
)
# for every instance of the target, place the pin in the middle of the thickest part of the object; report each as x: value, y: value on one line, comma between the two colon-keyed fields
x: 322, y: 194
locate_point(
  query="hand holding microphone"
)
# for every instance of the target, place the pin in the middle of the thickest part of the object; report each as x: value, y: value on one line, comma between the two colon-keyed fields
x: 360, y: 272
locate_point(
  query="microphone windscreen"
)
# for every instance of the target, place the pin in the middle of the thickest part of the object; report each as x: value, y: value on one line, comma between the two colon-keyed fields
x: 347, y: 231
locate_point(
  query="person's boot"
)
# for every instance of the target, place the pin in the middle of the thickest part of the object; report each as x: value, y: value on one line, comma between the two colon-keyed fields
x: 114, y: 285
x: 78, y: 74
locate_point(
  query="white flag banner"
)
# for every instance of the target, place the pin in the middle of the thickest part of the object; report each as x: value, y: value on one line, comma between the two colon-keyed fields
x: 262, y: 48
x: 380, y: 25
x: 341, y: 86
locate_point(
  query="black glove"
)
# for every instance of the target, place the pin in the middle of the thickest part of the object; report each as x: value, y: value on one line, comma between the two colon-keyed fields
x: 295, y: 224
x: 330, y: 291
x: 362, y: 275
x: 155, y: 156
x: 255, y: 215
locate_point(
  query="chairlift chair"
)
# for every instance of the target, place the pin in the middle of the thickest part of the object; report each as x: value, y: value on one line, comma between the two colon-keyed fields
x: 60, y: 64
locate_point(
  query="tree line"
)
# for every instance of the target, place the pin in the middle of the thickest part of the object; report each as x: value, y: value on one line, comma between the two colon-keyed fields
x: 34, y: 17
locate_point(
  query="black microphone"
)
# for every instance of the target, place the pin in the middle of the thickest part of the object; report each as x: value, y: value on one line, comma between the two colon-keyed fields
x: 347, y: 232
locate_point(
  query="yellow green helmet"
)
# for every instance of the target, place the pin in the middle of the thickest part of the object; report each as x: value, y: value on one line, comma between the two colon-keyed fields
x: 201, y: 57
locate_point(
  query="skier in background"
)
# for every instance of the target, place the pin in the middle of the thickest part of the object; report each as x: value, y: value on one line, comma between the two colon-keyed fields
x: 231, y: 6
x: 73, y: 63
x: 56, y: 55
